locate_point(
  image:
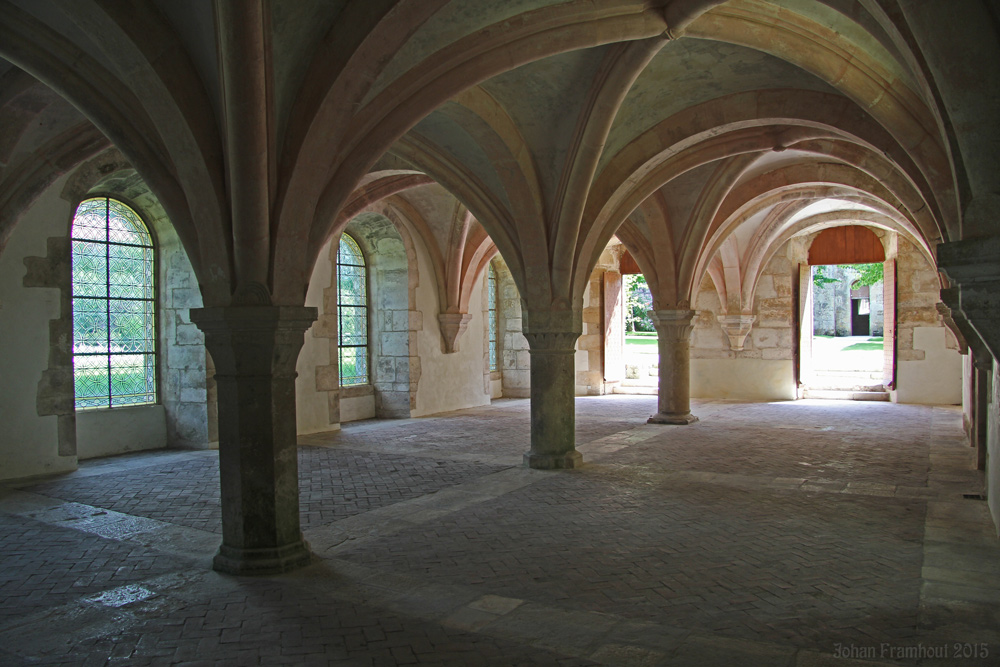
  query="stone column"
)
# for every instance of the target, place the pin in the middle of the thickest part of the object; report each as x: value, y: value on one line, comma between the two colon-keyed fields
x: 673, y: 330
x: 254, y: 349
x: 553, y: 410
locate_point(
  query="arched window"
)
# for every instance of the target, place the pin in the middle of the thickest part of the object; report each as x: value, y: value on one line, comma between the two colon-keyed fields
x: 114, y: 306
x: 352, y: 313
x: 492, y: 306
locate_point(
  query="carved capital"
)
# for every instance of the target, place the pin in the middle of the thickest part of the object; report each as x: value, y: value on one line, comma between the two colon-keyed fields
x: 453, y: 325
x: 673, y: 324
x: 552, y: 342
x: 737, y: 328
x: 254, y: 340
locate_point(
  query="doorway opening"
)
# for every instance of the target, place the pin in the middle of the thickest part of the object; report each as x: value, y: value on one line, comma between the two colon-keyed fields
x: 847, y: 317
x: 631, y: 353
x: 848, y: 337
x: 641, y: 354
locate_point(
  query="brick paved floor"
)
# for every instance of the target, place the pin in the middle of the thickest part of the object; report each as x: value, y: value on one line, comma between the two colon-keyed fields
x: 808, y: 533
x: 333, y: 484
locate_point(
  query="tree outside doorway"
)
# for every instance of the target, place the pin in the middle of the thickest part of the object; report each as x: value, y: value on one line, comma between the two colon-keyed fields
x: 641, y: 352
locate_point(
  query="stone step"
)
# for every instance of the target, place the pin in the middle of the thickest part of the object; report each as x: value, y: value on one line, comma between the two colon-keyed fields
x: 645, y: 389
x: 846, y: 381
x: 845, y: 394
x: 834, y: 385
x: 874, y: 375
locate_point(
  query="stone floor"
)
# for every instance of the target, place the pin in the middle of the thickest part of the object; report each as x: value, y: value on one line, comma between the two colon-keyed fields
x: 805, y: 534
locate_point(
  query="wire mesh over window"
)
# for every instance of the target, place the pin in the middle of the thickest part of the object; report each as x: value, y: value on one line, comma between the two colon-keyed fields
x: 114, y: 306
x: 352, y: 313
x: 492, y: 301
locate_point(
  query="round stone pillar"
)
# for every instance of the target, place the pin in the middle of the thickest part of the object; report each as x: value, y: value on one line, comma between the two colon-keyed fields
x: 553, y: 410
x: 673, y: 329
x: 255, y: 349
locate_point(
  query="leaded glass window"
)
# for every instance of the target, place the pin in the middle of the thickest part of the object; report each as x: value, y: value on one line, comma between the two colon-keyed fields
x: 352, y: 312
x: 492, y: 301
x: 114, y: 306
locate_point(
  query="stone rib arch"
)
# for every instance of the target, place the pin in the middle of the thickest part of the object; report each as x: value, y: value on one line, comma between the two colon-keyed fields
x: 695, y: 137
x: 488, y: 211
x: 617, y: 73
x: 770, y: 117
x: 397, y: 107
x: 762, y: 252
x: 861, y: 76
x: 779, y: 227
x: 505, y: 145
x: 118, y: 111
x: 24, y: 180
x: 790, y: 184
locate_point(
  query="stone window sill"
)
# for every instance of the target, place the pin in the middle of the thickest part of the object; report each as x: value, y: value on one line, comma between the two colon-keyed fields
x: 357, y: 391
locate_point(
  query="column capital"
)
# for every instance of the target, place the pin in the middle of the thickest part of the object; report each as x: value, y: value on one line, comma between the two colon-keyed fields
x: 253, y: 318
x: 254, y: 340
x: 556, y: 319
x: 673, y: 323
x: 552, y: 342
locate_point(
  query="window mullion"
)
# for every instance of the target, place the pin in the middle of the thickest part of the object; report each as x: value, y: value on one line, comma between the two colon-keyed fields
x: 107, y: 287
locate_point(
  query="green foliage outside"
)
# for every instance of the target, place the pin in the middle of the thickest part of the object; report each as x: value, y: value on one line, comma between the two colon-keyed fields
x: 820, y: 279
x: 865, y: 275
x: 638, y: 301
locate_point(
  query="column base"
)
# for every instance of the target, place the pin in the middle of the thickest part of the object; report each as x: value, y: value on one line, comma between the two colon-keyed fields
x: 573, y: 459
x: 679, y: 420
x: 251, y: 562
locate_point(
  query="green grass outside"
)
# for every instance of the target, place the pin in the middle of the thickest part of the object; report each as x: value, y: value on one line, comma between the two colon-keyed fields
x: 866, y: 346
x: 644, y: 343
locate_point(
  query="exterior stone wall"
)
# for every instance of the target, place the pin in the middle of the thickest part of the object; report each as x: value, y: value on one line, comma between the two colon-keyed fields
x: 832, y: 305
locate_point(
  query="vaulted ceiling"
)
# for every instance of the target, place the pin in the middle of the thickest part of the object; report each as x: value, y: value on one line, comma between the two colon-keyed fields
x: 692, y: 128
